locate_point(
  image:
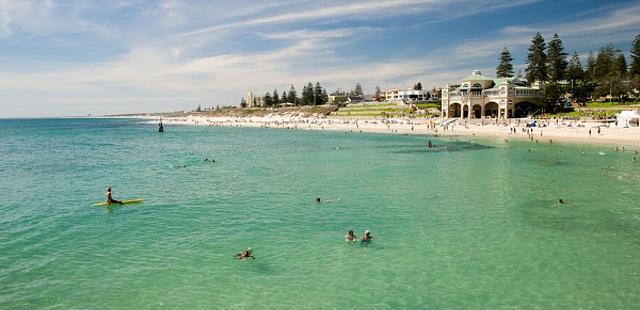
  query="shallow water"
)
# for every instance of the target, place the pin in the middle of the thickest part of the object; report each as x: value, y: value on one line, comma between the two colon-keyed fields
x: 470, y: 225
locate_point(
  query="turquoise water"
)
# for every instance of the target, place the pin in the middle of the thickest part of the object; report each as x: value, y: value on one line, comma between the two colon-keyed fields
x: 474, y: 225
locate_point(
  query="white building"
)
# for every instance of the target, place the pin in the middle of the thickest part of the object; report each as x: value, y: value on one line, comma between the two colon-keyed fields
x: 405, y: 95
x: 253, y: 101
x: 478, y: 96
x: 627, y: 119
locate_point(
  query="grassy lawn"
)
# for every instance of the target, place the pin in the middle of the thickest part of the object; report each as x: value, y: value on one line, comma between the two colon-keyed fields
x: 428, y: 105
x: 613, y: 104
x: 373, y: 110
x: 596, y: 114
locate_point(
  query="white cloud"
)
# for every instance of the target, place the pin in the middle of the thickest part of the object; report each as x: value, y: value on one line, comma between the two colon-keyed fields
x: 610, y: 22
x: 352, y: 10
x: 166, y: 72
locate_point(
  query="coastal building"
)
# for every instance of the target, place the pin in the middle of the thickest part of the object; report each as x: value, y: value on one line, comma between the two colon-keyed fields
x: 336, y: 99
x: 253, y: 101
x: 479, y: 96
x: 405, y: 95
x: 626, y: 119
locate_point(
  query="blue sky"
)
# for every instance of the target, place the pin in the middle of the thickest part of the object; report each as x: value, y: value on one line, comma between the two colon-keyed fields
x: 63, y: 58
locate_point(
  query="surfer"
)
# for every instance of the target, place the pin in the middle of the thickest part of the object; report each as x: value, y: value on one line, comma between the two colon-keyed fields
x: 560, y: 201
x: 110, y: 199
x: 351, y: 236
x: 245, y: 254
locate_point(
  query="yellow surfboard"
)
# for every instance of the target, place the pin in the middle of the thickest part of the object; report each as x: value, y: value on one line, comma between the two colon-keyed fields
x: 124, y: 202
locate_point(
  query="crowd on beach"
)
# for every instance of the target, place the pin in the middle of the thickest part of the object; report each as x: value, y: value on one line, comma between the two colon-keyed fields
x: 556, y: 129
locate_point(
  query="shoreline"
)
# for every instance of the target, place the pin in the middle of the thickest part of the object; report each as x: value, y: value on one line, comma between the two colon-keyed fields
x: 562, y: 133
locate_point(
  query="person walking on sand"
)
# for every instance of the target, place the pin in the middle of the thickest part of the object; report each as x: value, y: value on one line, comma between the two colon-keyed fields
x: 110, y: 199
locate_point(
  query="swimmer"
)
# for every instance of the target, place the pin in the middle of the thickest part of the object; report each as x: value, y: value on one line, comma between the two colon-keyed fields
x: 366, y: 238
x: 560, y: 201
x: 318, y: 199
x: 244, y: 254
x: 350, y: 237
x: 110, y: 199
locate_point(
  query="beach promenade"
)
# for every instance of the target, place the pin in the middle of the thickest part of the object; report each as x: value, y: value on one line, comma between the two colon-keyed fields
x: 545, y: 131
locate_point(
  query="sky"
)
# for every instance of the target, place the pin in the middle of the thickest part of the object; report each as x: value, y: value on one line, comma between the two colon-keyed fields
x: 74, y: 58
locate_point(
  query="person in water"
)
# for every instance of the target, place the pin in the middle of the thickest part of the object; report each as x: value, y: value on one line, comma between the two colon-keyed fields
x: 318, y: 199
x: 110, y: 199
x: 560, y: 201
x: 351, y: 236
x: 366, y: 238
x: 245, y: 254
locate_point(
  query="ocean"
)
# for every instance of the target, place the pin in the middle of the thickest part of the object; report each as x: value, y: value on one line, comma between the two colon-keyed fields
x: 468, y: 224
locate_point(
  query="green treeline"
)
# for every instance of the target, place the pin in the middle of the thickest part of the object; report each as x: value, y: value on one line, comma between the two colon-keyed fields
x: 603, y: 74
x: 311, y: 95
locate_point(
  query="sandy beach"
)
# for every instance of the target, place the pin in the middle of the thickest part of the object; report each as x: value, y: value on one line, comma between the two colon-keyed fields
x: 545, y: 131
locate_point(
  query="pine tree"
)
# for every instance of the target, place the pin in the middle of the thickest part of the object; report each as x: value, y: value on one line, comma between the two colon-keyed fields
x: 325, y: 97
x: 574, y: 69
x: 267, y: 100
x: 243, y: 103
x: 307, y: 94
x: 418, y: 86
x: 635, y: 64
x: 284, y: 98
x: 293, y: 95
x: 317, y: 94
x: 591, y: 66
x: 536, y: 60
x: 635, y: 57
x: 378, y: 94
x: 276, y: 98
x: 604, y: 62
x: 358, y: 90
x: 620, y: 65
x: 556, y: 59
x: 505, y: 68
